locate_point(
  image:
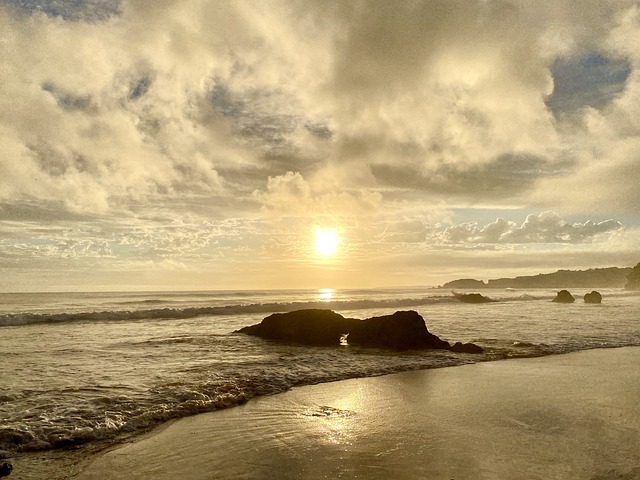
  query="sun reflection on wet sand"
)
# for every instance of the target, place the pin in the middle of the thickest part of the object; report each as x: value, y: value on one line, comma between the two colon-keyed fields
x: 511, y: 419
x: 338, y: 424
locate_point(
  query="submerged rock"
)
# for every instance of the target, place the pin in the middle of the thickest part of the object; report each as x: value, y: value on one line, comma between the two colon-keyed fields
x: 471, y: 297
x: 310, y: 327
x: 593, y: 297
x: 400, y: 331
x: 564, y: 296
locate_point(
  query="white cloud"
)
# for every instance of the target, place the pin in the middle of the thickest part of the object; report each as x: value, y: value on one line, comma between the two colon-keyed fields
x: 292, y: 194
x: 197, y: 97
x: 545, y: 228
x: 606, y: 141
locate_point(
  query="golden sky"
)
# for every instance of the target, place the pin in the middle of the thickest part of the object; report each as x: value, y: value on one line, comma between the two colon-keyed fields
x: 201, y: 144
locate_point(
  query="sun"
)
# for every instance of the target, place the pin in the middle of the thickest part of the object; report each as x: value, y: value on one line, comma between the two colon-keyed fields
x: 327, y: 241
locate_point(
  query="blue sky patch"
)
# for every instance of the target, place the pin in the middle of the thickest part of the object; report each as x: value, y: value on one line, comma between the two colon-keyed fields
x: 592, y: 80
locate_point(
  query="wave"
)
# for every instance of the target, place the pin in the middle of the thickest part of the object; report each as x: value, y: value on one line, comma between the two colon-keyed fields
x: 28, y: 318
x: 150, y: 301
x: 142, y: 313
x: 114, y: 414
x: 117, y: 417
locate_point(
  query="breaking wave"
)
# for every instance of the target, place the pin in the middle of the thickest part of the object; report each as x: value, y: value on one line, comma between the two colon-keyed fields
x: 27, y: 318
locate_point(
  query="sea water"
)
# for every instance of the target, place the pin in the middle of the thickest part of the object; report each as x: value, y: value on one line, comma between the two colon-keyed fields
x: 567, y: 417
x: 82, y: 368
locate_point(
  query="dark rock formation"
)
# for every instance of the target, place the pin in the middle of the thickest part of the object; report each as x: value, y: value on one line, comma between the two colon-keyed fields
x: 564, y: 296
x: 611, y: 277
x: 400, y: 331
x: 310, y: 327
x: 465, y: 283
x: 593, y: 297
x: 471, y: 297
x: 633, y: 279
x: 466, y: 348
x: 5, y: 469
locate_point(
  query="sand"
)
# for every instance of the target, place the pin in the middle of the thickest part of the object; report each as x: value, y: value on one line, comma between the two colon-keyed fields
x: 574, y: 416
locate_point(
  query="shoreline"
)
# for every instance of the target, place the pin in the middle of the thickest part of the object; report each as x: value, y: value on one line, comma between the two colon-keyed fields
x: 588, y: 396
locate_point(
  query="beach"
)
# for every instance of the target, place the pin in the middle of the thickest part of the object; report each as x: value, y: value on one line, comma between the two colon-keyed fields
x: 571, y: 416
x: 86, y: 374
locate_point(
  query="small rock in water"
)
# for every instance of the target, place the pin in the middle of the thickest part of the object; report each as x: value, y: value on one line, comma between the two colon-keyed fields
x: 593, y: 297
x: 564, y: 296
x: 5, y: 469
x: 471, y: 297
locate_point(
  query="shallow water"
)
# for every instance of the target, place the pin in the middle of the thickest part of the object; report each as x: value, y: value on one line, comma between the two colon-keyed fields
x: 569, y: 417
x: 81, y: 368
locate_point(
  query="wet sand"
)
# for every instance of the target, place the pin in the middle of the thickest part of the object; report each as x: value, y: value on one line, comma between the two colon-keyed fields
x: 574, y: 416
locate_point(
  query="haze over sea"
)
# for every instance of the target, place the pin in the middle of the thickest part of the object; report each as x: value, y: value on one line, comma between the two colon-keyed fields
x: 87, y: 368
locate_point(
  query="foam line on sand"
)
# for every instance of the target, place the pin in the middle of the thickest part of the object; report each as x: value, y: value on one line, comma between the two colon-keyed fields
x: 565, y: 416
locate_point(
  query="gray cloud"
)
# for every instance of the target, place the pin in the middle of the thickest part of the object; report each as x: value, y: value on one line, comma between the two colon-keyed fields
x: 40, y: 213
x: 506, y: 177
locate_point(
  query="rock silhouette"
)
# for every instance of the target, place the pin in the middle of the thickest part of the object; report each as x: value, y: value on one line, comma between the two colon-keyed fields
x: 633, y: 279
x: 593, y: 297
x: 610, y: 277
x: 564, y: 296
x: 471, y: 297
x: 310, y: 327
x: 459, y: 347
x: 5, y: 469
x: 465, y: 283
x: 401, y: 331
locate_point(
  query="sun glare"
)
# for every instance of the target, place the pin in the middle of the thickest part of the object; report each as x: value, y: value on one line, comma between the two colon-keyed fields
x: 327, y: 241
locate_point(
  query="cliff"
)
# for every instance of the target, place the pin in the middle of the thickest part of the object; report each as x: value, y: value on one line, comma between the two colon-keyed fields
x: 633, y: 279
x: 612, y: 277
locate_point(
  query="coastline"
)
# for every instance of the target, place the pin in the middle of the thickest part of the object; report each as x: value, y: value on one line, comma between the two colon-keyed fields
x: 562, y: 416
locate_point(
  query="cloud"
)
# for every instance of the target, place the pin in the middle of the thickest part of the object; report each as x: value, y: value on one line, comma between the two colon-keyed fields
x: 545, y: 228
x: 291, y: 193
x: 507, y: 177
x: 94, y: 122
x: 405, y: 231
x: 604, y: 141
x: 191, y: 130
x: 447, y: 98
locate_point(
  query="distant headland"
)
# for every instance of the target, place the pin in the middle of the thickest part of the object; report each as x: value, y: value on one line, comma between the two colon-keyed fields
x: 611, y: 277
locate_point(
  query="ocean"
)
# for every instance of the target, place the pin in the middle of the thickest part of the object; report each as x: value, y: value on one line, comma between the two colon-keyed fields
x: 87, y: 368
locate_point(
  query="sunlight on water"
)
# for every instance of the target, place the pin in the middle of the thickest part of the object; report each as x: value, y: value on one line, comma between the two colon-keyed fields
x: 326, y: 294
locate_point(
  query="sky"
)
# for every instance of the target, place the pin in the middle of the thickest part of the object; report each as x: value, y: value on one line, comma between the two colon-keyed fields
x: 199, y: 144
